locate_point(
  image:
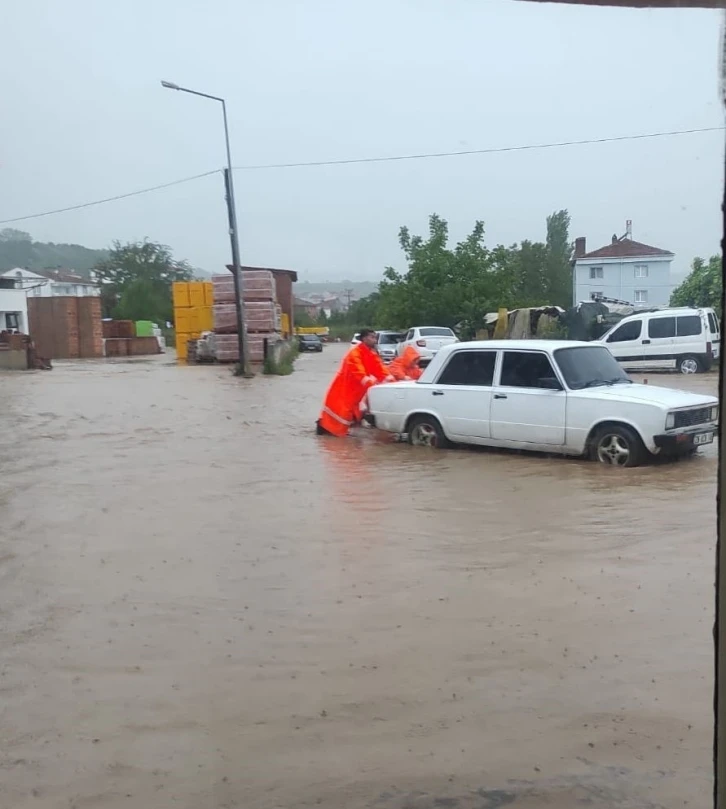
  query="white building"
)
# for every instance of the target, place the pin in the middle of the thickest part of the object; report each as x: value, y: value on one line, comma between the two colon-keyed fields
x: 13, y: 304
x: 17, y: 285
x: 625, y: 270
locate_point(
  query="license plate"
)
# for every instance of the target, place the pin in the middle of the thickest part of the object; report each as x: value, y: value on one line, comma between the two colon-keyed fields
x: 702, y: 438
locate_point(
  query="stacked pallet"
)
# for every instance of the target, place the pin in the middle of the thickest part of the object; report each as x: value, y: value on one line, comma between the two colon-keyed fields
x: 118, y: 329
x: 65, y: 327
x: 192, y: 312
x: 263, y: 315
x: 131, y: 346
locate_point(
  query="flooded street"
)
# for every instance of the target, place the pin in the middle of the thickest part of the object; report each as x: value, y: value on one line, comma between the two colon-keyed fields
x: 206, y: 605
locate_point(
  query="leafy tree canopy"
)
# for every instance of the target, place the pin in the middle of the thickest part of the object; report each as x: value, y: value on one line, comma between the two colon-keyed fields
x: 136, y: 281
x: 703, y: 285
x: 458, y: 286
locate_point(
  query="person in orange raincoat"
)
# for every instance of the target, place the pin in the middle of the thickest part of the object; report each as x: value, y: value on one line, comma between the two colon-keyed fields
x: 406, y: 366
x: 361, y: 368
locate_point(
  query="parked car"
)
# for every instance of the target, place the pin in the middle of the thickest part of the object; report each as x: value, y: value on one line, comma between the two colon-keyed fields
x: 685, y: 339
x: 310, y: 342
x: 427, y: 340
x: 388, y: 344
x: 550, y: 396
x: 356, y: 339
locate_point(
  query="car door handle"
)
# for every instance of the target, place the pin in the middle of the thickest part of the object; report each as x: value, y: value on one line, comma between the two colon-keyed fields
x: 646, y: 342
x: 500, y: 395
x: 437, y: 393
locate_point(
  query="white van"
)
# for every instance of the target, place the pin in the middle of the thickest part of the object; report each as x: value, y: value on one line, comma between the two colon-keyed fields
x: 685, y: 339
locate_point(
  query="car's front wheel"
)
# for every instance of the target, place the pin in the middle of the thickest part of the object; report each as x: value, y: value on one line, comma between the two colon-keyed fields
x: 426, y: 431
x: 617, y: 445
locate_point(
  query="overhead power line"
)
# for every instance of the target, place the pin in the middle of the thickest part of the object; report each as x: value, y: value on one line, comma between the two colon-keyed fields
x: 493, y: 150
x: 355, y: 160
x: 110, y: 199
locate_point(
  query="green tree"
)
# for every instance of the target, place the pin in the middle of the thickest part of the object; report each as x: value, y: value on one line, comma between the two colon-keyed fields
x: 529, y: 285
x: 13, y: 235
x: 442, y: 286
x: 136, y: 281
x: 703, y: 285
x: 558, y: 266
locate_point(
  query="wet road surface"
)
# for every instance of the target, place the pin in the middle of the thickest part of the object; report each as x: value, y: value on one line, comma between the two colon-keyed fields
x: 205, y: 605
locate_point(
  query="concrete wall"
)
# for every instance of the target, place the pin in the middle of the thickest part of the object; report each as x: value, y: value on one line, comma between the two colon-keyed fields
x: 13, y: 359
x: 619, y: 280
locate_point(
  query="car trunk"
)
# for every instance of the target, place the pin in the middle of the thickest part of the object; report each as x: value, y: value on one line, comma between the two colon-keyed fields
x: 434, y: 343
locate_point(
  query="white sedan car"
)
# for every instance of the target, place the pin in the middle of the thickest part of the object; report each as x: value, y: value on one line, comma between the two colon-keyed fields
x: 544, y: 395
x: 427, y: 340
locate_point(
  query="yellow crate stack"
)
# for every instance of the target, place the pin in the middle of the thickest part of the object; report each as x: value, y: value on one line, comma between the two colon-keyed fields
x: 192, y: 312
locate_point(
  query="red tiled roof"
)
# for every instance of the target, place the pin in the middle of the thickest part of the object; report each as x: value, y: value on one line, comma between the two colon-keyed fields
x: 626, y: 248
x: 64, y: 277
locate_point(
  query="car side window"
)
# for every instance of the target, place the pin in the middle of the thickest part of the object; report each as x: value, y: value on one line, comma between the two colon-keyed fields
x: 527, y: 369
x: 662, y: 327
x: 409, y: 336
x: 469, y: 368
x: 688, y: 326
x: 628, y: 331
x: 712, y: 323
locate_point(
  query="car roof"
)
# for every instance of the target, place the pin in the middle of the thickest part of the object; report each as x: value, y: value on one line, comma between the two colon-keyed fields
x: 674, y: 310
x: 516, y: 345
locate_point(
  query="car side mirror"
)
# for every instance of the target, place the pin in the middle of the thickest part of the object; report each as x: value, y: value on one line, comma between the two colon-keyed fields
x: 549, y: 383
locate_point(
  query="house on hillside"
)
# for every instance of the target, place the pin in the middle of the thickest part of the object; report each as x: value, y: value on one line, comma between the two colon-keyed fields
x: 625, y: 270
x: 52, y: 283
x: 304, y: 306
x: 66, y: 283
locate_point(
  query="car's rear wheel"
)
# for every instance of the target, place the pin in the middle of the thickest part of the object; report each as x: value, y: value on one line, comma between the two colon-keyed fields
x: 689, y: 364
x: 617, y: 445
x: 426, y: 431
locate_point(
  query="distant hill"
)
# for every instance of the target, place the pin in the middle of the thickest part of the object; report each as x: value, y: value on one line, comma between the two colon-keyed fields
x: 17, y: 249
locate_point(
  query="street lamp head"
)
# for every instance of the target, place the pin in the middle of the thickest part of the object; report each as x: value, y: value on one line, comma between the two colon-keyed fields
x: 170, y: 85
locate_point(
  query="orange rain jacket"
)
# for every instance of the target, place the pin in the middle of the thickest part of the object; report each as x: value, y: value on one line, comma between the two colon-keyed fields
x: 361, y: 368
x: 405, y: 366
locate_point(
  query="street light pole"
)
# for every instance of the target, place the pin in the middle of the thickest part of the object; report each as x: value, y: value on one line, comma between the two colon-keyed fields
x: 243, y: 368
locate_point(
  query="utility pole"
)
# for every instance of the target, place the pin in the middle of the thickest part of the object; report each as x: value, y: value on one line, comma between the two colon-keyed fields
x: 349, y: 294
x: 243, y: 366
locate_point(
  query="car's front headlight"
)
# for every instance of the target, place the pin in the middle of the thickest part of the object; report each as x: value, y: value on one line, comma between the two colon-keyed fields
x: 713, y: 413
x: 670, y: 421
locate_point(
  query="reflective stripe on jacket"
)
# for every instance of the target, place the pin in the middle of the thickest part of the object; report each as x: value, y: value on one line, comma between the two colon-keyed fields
x: 360, y: 369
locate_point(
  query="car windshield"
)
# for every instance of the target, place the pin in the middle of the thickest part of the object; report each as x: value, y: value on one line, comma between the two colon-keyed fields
x: 428, y: 332
x: 388, y: 338
x: 311, y: 338
x: 590, y: 367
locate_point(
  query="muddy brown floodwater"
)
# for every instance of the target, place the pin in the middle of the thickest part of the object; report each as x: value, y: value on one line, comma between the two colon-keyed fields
x: 202, y: 604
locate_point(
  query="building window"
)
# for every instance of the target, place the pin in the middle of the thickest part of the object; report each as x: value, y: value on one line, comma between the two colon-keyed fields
x: 595, y: 273
x: 641, y: 296
x: 641, y: 270
x: 12, y: 321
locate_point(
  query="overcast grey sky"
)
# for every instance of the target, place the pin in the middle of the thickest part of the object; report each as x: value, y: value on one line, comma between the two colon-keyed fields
x: 84, y: 117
